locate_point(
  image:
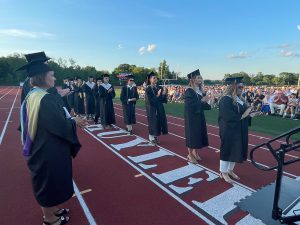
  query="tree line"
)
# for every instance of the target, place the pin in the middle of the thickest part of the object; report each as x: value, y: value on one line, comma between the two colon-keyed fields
x: 69, y: 68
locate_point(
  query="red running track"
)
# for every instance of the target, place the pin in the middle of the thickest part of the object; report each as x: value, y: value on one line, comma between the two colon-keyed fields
x: 116, y: 187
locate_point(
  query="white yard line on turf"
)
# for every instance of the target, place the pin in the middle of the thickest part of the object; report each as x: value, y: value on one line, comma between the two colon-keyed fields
x: 84, y: 206
x: 8, y: 117
x: 289, y: 174
x: 178, y: 118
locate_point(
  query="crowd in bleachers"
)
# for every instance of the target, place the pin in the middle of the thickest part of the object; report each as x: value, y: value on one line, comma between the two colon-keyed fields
x: 281, y: 101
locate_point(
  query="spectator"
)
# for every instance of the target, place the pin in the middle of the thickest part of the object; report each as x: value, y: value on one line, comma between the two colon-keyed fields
x: 291, y: 106
x: 279, y: 102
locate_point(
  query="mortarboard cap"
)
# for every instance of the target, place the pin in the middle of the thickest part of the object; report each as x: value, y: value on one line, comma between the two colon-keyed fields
x: 233, y: 80
x: 36, y: 64
x: 194, y: 74
x: 129, y: 76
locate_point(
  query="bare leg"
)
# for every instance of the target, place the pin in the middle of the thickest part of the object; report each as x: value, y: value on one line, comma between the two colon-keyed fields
x: 191, y: 157
x: 196, y: 155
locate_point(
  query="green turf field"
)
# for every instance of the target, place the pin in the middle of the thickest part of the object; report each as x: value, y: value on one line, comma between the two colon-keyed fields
x: 271, y: 126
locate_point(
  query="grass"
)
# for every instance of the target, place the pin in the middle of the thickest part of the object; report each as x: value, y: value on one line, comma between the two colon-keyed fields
x: 271, y: 126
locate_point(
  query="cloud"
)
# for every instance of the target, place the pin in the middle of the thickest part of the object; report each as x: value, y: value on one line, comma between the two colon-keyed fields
x: 149, y: 49
x: 298, y: 27
x: 289, y: 53
x: 240, y: 55
x: 120, y: 46
x: 24, y: 34
x: 164, y: 14
x: 142, y: 50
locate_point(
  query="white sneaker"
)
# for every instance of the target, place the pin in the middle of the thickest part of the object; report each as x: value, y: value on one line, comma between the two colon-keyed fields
x: 284, y: 115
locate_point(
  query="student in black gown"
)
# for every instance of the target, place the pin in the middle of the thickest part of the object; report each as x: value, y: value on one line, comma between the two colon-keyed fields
x: 79, y: 108
x: 195, y: 102
x: 97, y: 99
x: 129, y: 97
x: 89, y: 96
x: 70, y: 97
x: 155, y: 96
x: 234, y: 119
x: 107, y: 94
x: 50, y: 142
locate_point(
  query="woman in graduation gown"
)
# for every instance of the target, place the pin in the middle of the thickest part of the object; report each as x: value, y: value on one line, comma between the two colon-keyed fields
x: 79, y: 98
x: 128, y: 97
x: 195, y: 102
x: 49, y: 142
x: 155, y: 96
x: 107, y: 94
x: 90, y: 100
x: 234, y: 118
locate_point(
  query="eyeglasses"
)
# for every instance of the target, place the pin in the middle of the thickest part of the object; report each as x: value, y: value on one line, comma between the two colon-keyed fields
x: 131, y: 80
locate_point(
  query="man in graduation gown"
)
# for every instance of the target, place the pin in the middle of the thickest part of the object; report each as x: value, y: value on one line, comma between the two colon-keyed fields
x: 97, y: 99
x: 70, y: 96
x: 89, y: 96
x: 155, y: 96
x: 107, y: 94
x: 79, y: 108
x: 128, y: 97
x: 49, y: 142
x: 234, y: 118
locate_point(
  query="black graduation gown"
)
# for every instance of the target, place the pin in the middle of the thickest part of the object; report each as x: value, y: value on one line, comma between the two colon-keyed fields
x: 157, y: 120
x: 90, y: 100
x: 97, y: 102
x: 233, y: 131
x: 129, y: 107
x: 78, y: 100
x: 70, y: 97
x: 25, y: 89
x: 50, y: 161
x: 65, y: 98
x: 107, y: 113
x: 194, y: 120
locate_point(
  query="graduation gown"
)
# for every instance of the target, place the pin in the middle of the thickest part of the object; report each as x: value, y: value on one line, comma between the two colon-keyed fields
x: 129, y: 107
x: 50, y: 159
x: 25, y: 89
x: 194, y: 120
x: 107, y: 113
x: 157, y: 120
x: 70, y: 97
x: 233, y: 131
x: 78, y: 100
x: 65, y: 98
x: 90, y: 100
x: 97, y: 102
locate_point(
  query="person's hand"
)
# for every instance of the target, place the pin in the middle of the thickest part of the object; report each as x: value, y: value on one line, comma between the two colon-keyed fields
x: 110, y: 90
x: 63, y: 92
x: 205, y: 98
x: 159, y: 93
x: 164, y: 91
x: 257, y: 113
x: 80, y: 122
x: 247, y: 112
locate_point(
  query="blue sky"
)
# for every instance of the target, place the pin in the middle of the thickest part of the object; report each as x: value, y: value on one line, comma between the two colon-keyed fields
x: 215, y: 36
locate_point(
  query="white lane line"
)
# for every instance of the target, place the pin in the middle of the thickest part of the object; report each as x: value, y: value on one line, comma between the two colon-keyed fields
x: 154, y: 181
x: 84, y: 206
x: 178, y: 118
x: 8, y: 117
x: 6, y: 94
x: 179, y: 125
x: 2, y: 90
x: 217, y: 150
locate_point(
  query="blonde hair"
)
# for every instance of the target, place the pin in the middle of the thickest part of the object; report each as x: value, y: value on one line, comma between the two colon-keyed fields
x: 232, y: 91
x: 193, y: 85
